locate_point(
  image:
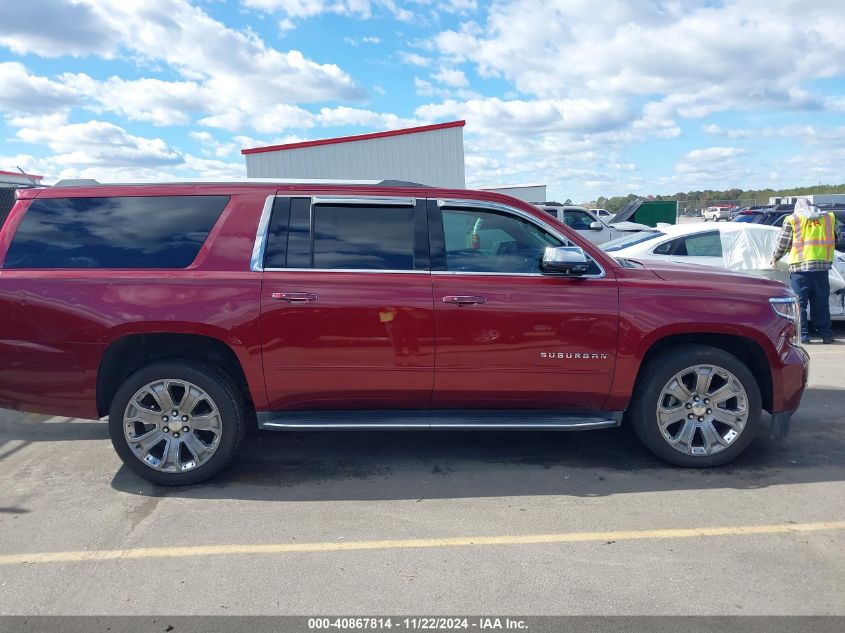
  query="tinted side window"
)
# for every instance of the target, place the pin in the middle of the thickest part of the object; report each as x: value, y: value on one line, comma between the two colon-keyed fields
x: 577, y: 220
x: 275, y: 254
x: 486, y: 241
x: 372, y: 238
x: 127, y: 232
x: 705, y: 245
x: 289, y: 234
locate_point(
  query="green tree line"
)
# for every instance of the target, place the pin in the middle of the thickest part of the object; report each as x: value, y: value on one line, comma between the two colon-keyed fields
x: 705, y: 197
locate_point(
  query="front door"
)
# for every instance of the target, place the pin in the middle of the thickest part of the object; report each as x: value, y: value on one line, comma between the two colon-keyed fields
x: 508, y: 336
x: 346, y: 306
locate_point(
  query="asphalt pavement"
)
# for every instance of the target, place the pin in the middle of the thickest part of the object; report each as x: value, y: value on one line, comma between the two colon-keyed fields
x: 430, y: 522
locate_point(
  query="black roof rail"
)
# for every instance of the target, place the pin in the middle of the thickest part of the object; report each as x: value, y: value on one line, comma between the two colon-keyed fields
x: 400, y: 183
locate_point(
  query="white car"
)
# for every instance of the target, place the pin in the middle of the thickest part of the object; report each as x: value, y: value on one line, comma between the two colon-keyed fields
x: 602, y: 214
x: 716, y: 213
x: 738, y: 246
x: 589, y: 226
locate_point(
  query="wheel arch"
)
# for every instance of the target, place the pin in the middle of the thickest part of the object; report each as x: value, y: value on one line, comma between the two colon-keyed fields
x: 746, y: 350
x: 129, y: 353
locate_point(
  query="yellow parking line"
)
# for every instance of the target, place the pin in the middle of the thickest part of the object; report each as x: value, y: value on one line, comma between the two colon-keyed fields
x: 459, y: 541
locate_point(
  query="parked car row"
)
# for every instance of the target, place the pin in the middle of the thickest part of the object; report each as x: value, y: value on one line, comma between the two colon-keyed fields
x: 735, y: 246
x: 776, y: 214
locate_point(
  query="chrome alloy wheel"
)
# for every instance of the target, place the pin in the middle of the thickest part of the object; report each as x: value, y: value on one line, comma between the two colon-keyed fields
x: 702, y: 410
x: 172, y: 425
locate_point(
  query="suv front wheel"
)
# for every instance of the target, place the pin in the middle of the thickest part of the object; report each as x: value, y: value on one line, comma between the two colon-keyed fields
x: 176, y: 423
x: 696, y: 406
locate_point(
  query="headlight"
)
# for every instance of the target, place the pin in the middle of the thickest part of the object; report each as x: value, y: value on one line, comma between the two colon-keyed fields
x: 787, y: 307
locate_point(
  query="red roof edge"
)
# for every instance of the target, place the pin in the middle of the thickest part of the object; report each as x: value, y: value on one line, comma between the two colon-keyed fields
x: 20, y: 175
x: 356, y: 137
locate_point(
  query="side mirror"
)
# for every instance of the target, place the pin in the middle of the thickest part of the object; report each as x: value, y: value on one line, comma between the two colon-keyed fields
x: 564, y: 260
x: 596, y: 226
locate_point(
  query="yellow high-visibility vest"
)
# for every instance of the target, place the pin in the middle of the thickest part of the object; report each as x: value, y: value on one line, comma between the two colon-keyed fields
x: 812, y: 240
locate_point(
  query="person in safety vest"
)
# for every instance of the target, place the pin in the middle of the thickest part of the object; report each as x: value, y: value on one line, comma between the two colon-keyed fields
x: 809, y: 236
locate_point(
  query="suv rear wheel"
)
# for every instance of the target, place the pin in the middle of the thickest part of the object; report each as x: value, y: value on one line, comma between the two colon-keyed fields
x: 696, y: 406
x: 176, y: 422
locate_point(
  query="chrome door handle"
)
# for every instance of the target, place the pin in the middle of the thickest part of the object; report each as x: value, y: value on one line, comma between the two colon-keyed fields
x: 295, y: 297
x: 464, y: 301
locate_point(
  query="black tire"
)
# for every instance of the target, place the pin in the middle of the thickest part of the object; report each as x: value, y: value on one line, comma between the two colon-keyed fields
x: 655, y: 375
x: 221, y: 390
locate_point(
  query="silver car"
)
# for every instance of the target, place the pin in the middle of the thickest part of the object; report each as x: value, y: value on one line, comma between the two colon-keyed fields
x: 593, y: 228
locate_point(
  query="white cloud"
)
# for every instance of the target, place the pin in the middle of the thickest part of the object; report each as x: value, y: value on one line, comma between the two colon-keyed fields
x: 414, y: 59
x: 560, y: 48
x: 451, y: 77
x: 107, y: 152
x: 716, y: 130
x: 22, y: 92
x: 100, y: 143
x: 212, y: 146
x: 213, y: 169
x: 712, y: 165
x: 229, y: 75
x: 302, y: 9
x: 54, y: 29
x: 494, y: 115
x: 714, y: 153
x: 449, y: 6
x: 159, y: 102
x: 367, y: 39
x: 342, y: 115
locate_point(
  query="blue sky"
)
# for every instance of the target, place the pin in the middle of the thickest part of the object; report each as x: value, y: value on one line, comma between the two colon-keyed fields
x: 590, y: 98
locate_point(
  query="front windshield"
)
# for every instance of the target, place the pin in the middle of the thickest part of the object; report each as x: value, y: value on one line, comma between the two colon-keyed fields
x: 629, y: 240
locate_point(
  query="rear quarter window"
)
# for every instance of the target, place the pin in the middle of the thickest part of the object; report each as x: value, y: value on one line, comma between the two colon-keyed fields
x: 116, y: 232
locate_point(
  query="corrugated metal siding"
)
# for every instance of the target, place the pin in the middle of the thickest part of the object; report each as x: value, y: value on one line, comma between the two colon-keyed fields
x: 15, y: 179
x: 431, y: 158
x: 528, y: 194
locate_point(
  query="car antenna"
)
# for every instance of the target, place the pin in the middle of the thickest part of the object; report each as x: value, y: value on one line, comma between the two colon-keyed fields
x: 34, y: 184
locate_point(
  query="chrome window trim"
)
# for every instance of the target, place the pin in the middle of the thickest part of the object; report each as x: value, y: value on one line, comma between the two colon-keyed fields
x: 258, y: 251
x: 382, y: 201
x: 489, y: 274
x: 347, y: 270
x: 256, y: 262
x: 467, y: 203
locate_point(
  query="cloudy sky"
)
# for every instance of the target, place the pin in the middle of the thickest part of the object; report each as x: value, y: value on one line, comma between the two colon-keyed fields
x: 592, y: 98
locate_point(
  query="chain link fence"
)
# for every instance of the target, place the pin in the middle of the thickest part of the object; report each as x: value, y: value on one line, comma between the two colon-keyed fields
x: 7, y: 201
x: 694, y: 207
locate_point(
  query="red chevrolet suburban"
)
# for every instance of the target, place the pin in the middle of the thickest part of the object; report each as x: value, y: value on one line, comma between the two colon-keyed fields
x: 184, y: 312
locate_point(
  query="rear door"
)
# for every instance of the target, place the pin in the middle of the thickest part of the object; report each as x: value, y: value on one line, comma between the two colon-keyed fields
x: 508, y: 336
x: 346, y: 307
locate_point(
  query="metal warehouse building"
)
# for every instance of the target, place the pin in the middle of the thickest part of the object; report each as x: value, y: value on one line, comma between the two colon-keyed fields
x: 13, y: 178
x: 535, y: 194
x: 430, y: 155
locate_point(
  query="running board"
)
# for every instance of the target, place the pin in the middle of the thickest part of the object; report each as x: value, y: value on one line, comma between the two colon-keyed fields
x: 522, y: 420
